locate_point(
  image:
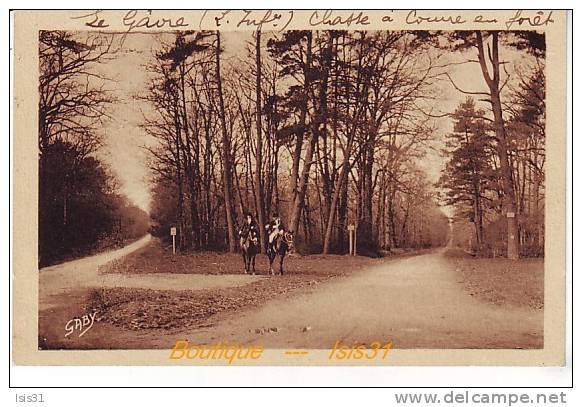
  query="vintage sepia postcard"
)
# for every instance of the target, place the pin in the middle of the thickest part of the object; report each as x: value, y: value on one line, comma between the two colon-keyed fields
x: 289, y: 187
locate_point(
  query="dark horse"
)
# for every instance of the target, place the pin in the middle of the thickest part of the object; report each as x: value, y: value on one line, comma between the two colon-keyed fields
x: 281, y: 245
x: 249, y: 245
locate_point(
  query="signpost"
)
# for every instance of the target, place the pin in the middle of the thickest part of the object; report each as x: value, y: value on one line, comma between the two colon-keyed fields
x: 173, y: 234
x: 353, y: 239
x: 512, y: 245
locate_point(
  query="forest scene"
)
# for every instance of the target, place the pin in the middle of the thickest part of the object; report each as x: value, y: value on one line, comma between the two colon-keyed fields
x: 324, y: 128
x: 80, y: 208
x: 402, y: 165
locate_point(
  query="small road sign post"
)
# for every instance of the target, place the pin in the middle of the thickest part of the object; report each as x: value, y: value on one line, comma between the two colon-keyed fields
x: 355, y: 240
x: 512, y: 235
x: 352, y: 236
x: 173, y: 234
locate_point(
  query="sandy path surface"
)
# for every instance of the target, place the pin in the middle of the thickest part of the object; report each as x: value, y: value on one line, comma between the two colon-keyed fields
x: 415, y: 302
x: 58, y: 280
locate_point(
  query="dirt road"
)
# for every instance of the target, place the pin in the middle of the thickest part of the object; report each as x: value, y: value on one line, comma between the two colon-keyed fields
x: 84, y: 273
x: 64, y: 291
x: 415, y: 302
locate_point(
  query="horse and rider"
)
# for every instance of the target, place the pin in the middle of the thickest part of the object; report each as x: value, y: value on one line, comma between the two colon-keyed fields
x: 249, y: 242
x: 280, y: 241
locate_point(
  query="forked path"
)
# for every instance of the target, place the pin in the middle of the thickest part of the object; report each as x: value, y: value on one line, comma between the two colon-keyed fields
x: 416, y: 302
x: 64, y: 290
x: 57, y: 281
x: 54, y: 281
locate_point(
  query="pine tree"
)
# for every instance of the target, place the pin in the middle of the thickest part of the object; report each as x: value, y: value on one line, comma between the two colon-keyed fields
x: 469, y: 176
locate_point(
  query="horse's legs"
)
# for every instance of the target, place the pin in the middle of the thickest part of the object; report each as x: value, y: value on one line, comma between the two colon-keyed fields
x: 245, y: 261
x: 271, y: 259
x: 281, y: 257
x: 253, y: 260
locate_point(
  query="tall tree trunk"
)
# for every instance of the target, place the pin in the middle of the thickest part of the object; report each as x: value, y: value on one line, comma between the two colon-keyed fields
x: 392, y: 234
x: 367, y: 190
x: 318, y: 127
x: 506, y: 172
x: 299, y: 200
x: 226, y: 159
x: 379, y: 212
x: 343, y: 213
x: 178, y: 141
x: 260, y: 199
x: 478, y: 218
x: 293, y: 210
x: 207, y: 184
x: 343, y: 179
x: 190, y: 164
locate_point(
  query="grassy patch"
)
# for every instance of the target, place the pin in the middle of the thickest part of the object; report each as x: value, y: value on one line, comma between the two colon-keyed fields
x: 139, y: 309
x: 155, y: 258
x: 143, y: 309
x: 501, y: 281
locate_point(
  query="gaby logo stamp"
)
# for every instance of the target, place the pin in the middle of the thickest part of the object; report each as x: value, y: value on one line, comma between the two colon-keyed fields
x: 80, y: 324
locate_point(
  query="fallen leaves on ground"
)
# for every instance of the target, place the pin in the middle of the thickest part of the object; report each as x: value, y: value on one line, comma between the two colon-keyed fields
x: 501, y: 281
x: 139, y: 309
x: 142, y: 309
x: 155, y: 258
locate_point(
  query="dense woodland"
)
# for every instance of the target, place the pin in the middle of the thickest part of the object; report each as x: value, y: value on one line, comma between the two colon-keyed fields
x: 324, y: 128
x: 473, y: 177
x: 320, y: 127
x: 80, y: 209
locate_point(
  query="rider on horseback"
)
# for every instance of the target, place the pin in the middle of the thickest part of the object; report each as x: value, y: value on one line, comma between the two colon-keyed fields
x: 274, y: 228
x: 249, y: 227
